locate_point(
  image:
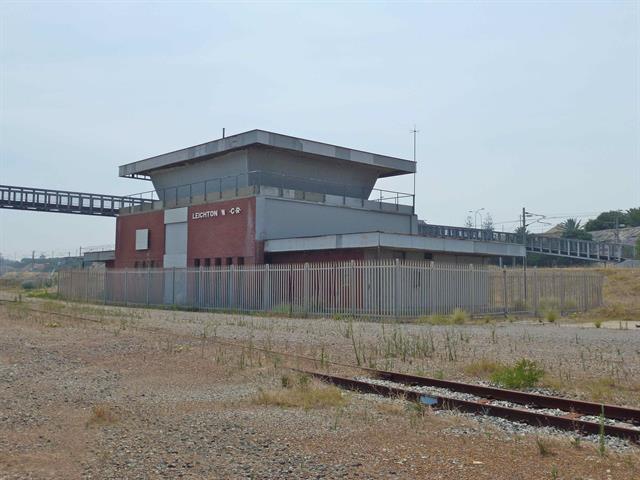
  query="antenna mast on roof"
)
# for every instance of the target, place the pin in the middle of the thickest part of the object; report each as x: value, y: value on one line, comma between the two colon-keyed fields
x: 415, y: 133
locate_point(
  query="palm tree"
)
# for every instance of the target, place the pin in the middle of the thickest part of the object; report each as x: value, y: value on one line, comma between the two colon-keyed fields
x: 571, y: 228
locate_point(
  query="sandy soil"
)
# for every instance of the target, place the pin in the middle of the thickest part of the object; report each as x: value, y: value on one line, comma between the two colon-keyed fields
x: 107, y: 400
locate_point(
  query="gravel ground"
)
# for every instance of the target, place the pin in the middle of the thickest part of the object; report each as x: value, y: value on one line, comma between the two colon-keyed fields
x: 85, y: 400
x: 580, y: 361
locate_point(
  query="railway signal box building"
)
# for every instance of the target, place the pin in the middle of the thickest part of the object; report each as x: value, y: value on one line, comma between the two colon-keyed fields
x: 261, y: 197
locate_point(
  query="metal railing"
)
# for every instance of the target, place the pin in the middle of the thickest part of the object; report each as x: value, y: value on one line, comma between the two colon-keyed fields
x: 464, y: 233
x: 46, y: 200
x: 366, y: 288
x: 251, y: 183
x: 584, y: 249
x: 564, y: 247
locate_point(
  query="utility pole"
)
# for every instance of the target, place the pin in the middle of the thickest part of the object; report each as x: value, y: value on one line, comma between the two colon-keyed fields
x: 524, y: 244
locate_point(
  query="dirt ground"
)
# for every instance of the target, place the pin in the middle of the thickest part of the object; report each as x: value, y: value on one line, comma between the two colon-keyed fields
x: 107, y: 399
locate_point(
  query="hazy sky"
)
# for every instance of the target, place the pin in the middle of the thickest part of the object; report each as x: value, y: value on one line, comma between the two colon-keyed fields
x: 518, y: 104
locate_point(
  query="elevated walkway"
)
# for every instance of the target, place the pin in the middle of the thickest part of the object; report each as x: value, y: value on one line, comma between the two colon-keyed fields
x: 559, y: 247
x: 61, y: 201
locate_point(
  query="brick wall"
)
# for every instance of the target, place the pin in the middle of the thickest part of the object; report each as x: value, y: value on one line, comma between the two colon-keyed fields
x: 126, y: 226
x: 315, y: 256
x: 230, y: 236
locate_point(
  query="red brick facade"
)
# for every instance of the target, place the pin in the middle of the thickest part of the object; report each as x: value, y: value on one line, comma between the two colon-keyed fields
x: 229, y: 236
x: 126, y: 226
x: 311, y: 256
x: 219, y: 233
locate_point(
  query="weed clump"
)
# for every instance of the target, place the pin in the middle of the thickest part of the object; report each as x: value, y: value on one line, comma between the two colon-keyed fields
x: 524, y: 374
x: 482, y: 368
x: 301, y: 393
x: 544, y: 449
x: 551, y: 315
x: 101, y: 415
x: 459, y: 316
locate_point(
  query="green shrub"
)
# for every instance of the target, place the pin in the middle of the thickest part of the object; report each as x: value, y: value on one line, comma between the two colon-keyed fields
x: 42, y: 293
x: 525, y: 374
x: 551, y: 315
x: 28, y: 285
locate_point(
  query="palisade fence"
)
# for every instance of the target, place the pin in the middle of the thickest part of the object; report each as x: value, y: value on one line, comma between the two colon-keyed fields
x: 384, y: 288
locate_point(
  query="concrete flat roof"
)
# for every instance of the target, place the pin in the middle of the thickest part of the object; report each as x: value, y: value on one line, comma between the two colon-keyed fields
x: 100, y: 256
x: 388, y: 165
x: 395, y: 241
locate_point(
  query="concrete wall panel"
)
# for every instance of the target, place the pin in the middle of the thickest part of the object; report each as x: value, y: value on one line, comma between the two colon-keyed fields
x: 278, y: 218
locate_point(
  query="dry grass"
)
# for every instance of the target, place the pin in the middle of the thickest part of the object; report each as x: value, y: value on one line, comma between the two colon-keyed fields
x: 101, y: 415
x: 303, y: 394
x: 482, y: 368
x: 544, y: 447
x: 602, y: 389
x: 394, y: 409
x: 621, y: 294
x: 608, y: 389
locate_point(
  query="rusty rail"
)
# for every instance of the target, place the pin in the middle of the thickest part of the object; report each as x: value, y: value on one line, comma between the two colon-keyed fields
x: 616, y: 412
x: 568, y: 422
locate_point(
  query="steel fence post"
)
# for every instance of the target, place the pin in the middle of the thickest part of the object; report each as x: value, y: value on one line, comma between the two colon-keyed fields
x: 125, y: 287
x: 305, y: 289
x: 173, y: 286
x: 396, y: 286
x: 290, y: 289
x: 473, y: 289
x: 266, y: 288
x: 536, y: 293
x: 352, y: 281
x: 504, y: 291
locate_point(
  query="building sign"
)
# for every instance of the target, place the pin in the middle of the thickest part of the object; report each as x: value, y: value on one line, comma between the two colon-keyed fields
x: 221, y: 212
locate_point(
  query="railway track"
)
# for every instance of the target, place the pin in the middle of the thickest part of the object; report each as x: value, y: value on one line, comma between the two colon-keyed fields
x: 531, y: 408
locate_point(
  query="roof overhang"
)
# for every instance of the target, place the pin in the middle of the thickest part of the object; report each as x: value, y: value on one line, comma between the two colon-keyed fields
x: 396, y: 241
x: 388, y: 166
